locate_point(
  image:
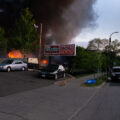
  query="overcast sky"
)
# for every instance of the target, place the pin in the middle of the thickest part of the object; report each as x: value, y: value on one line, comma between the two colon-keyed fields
x: 108, y: 21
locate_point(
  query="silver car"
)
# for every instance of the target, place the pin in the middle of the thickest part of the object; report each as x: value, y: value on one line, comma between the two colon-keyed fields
x: 12, y: 64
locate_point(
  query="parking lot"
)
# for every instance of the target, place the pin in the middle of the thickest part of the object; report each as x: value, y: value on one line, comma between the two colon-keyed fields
x: 18, y: 81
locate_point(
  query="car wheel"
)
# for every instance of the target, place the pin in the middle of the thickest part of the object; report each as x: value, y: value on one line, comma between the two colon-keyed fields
x: 23, y: 68
x: 56, y: 76
x: 64, y: 75
x: 8, y: 69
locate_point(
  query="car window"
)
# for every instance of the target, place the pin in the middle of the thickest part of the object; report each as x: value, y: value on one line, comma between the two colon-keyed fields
x: 18, y: 62
x: 116, y: 70
x: 7, y: 62
x: 52, y: 67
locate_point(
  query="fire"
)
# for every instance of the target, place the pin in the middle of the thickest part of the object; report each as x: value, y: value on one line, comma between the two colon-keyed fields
x: 15, y: 54
x: 44, y: 61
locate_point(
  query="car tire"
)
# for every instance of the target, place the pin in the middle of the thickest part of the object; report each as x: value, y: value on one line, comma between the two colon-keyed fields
x: 23, y: 68
x: 56, y: 76
x: 8, y: 69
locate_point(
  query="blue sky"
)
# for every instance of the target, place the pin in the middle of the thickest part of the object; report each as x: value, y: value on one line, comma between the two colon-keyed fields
x: 108, y: 21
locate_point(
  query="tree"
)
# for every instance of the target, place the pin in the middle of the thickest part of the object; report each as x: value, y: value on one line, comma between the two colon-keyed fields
x: 25, y: 36
x: 97, y: 44
x: 112, y: 50
x: 85, y: 60
x: 91, y: 61
x: 3, y: 41
x: 115, y: 46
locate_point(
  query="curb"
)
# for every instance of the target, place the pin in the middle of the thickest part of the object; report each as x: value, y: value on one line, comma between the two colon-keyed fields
x: 102, y: 85
x: 32, y: 70
x: 99, y: 86
x: 65, y: 81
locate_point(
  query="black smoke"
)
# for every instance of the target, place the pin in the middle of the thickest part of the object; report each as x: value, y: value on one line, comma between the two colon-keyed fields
x: 10, y: 10
x: 62, y: 19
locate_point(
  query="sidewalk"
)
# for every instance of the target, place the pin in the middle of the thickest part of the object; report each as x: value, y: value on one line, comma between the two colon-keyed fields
x: 49, y: 103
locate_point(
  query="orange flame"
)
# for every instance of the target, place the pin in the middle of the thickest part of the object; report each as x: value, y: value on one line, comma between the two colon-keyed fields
x: 15, y: 54
x: 44, y: 61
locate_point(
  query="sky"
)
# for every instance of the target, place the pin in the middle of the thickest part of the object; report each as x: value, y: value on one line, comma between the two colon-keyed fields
x: 108, y: 21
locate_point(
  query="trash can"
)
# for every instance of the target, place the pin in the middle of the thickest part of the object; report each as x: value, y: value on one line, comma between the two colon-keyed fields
x: 90, y: 81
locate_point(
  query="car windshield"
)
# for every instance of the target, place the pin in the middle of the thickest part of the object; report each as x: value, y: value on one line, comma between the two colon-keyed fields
x: 7, y: 61
x: 116, y: 69
x: 52, y: 67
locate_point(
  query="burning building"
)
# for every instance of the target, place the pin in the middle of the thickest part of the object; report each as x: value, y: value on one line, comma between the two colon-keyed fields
x: 15, y: 54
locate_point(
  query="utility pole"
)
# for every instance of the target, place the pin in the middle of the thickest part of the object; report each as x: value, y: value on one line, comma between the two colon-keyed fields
x: 40, y: 45
x: 40, y: 27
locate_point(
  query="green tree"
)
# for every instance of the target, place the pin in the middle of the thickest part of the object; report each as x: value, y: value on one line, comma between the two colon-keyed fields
x: 24, y: 36
x: 92, y: 61
x: 3, y: 41
x: 113, y: 50
x: 115, y: 46
x: 85, y: 60
x: 97, y: 44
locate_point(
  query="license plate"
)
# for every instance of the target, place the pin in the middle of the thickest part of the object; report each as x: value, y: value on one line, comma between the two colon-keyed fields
x: 43, y: 75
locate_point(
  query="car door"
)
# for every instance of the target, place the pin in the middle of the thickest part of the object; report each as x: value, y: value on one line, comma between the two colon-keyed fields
x: 14, y: 65
x: 19, y: 65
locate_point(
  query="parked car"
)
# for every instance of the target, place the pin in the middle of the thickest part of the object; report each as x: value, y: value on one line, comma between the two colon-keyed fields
x: 12, y: 64
x: 115, y: 73
x: 54, y: 71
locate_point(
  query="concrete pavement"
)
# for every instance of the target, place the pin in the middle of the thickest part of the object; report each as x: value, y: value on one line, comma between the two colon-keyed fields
x: 49, y: 103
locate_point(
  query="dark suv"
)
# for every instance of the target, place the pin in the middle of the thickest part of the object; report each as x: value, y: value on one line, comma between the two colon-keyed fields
x: 115, y: 73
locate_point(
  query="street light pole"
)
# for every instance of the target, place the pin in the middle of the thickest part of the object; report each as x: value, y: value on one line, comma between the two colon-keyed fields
x: 110, y: 37
x: 109, y: 52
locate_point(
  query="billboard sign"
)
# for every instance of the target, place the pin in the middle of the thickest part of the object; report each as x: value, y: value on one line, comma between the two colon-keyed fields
x: 60, y: 50
x: 51, y: 50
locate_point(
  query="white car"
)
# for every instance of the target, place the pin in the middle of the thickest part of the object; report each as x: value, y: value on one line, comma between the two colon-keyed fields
x: 115, y: 73
x: 12, y: 64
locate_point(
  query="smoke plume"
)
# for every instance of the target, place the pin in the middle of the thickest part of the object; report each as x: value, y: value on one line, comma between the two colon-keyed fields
x: 9, y: 11
x: 64, y: 19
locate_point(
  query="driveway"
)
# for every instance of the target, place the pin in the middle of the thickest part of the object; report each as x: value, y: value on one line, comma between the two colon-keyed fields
x: 17, y: 81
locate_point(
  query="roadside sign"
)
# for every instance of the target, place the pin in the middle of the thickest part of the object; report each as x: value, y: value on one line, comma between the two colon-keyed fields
x: 60, y: 50
x: 51, y: 50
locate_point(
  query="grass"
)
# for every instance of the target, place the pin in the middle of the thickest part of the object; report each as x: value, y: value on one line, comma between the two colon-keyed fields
x: 83, y: 75
x: 99, y: 81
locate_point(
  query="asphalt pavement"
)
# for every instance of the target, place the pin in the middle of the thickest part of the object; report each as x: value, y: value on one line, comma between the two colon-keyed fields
x: 52, y: 102
x: 104, y: 106
x: 20, y: 81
